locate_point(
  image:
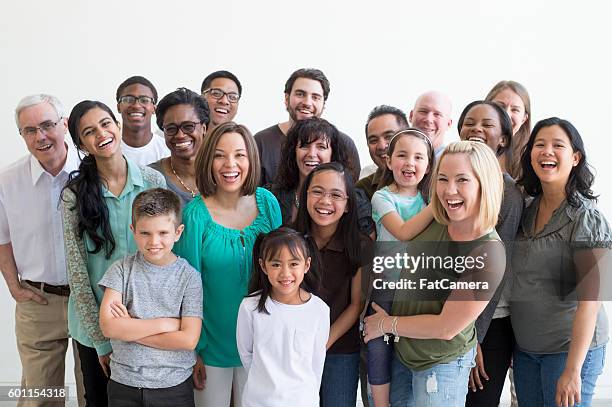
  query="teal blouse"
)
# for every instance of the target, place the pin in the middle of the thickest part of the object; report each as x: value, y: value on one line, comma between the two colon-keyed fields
x: 86, y: 269
x: 223, y: 256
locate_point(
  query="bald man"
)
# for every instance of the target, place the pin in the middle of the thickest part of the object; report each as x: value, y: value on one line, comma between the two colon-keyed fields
x: 432, y: 115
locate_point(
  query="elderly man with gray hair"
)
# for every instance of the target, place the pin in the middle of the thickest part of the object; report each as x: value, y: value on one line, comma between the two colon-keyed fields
x: 32, y: 256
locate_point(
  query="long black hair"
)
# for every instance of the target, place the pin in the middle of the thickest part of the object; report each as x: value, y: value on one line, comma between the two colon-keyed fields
x: 303, y: 133
x: 347, y: 227
x: 580, y: 179
x: 268, y: 245
x: 86, y: 185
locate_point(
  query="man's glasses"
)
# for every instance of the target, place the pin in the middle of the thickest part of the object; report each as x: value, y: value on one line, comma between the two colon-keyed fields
x: 130, y: 100
x: 44, y: 127
x: 218, y: 94
x: 318, y: 193
x: 186, y: 127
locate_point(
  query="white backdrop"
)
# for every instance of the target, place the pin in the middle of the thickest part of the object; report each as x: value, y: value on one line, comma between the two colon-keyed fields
x: 373, y: 54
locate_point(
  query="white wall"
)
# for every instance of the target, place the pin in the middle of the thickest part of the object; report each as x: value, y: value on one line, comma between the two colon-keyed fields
x: 388, y: 53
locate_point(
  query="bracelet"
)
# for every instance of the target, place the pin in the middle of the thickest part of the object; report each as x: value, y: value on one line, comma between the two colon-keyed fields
x: 394, y: 327
x: 380, y: 326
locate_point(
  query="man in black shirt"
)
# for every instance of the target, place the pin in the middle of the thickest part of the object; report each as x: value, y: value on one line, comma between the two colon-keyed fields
x: 306, y: 92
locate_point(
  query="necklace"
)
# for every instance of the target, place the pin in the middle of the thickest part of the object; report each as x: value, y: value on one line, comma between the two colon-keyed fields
x: 191, y: 191
x: 296, y: 200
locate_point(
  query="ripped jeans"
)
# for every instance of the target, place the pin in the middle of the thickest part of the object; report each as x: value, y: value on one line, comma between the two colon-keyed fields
x: 443, y: 385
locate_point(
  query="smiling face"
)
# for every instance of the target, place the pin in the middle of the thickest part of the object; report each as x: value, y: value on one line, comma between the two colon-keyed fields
x: 285, y: 273
x: 305, y: 100
x: 309, y: 156
x: 409, y: 163
x: 230, y: 165
x: 514, y: 105
x: 380, y: 130
x: 100, y: 136
x: 482, y: 124
x: 432, y: 115
x: 136, y: 116
x: 222, y: 110
x: 552, y: 156
x: 155, y: 236
x: 458, y: 189
x: 324, y: 210
x: 183, y: 145
x: 47, y: 147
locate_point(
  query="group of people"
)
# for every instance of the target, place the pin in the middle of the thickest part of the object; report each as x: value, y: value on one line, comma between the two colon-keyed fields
x: 207, y: 258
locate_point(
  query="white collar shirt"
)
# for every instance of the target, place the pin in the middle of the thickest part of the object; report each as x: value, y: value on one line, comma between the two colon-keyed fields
x: 31, y: 217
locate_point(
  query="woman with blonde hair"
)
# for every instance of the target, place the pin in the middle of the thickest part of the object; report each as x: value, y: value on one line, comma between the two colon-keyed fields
x: 434, y: 328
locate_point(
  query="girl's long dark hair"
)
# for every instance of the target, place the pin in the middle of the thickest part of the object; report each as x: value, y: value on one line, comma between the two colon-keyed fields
x: 347, y: 227
x: 86, y: 185
x: 580, y: 179
x: 270, y: 244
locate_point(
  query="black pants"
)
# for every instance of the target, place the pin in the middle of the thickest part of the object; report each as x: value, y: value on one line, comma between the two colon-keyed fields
x: 181, y: 395
x: 497, y: 348
x: 94, y: 379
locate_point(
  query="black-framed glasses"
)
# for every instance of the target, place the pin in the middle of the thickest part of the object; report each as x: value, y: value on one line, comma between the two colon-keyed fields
x: 44, y: 127
x: 318, y: 193
x: 131, y: 99
x: 218, y: 94
x: 186, y: 127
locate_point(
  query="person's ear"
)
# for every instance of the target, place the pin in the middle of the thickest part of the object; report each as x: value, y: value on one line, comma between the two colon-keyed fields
x: 179, y: 232
x: 132, y: 228
x: 577, y: 157
x: 262, y: 264
x: 307, y: 265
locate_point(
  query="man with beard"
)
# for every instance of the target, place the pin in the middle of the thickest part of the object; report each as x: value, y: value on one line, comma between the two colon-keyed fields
x: 136, y: 99
x: 432, y: 115
x: 306, y: 92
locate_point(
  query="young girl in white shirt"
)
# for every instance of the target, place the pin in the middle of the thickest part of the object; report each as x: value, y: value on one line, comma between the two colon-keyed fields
x: 282, y: 327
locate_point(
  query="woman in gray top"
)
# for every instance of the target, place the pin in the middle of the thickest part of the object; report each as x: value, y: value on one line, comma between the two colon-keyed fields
x: 183, y: 116
x: 557, y: 316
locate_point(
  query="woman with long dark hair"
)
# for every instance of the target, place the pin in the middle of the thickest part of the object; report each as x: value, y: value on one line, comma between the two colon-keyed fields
x: 97, y: 209
x: 560, y: 325
x: 310, y: 143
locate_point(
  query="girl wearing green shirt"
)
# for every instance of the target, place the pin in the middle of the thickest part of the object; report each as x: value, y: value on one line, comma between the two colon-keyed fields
x: 221, y: 225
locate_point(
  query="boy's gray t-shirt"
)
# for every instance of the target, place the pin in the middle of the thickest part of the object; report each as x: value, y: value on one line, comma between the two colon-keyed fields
x: 150, y: 291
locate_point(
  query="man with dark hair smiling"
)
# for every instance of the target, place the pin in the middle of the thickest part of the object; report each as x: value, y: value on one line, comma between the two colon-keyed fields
x: 222, y: 91
x: 383, y: 122
x: 136, y: 99
x: 306, y: 92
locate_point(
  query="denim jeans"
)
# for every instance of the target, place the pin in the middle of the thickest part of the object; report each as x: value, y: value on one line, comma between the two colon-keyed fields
x: 339, y: 382
x: 443, y: 385
x: 536, y: 375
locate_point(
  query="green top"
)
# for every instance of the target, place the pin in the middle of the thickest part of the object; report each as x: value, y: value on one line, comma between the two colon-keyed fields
x: 86, y: 269
x: 223, y: 256
x: 421, y: 354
